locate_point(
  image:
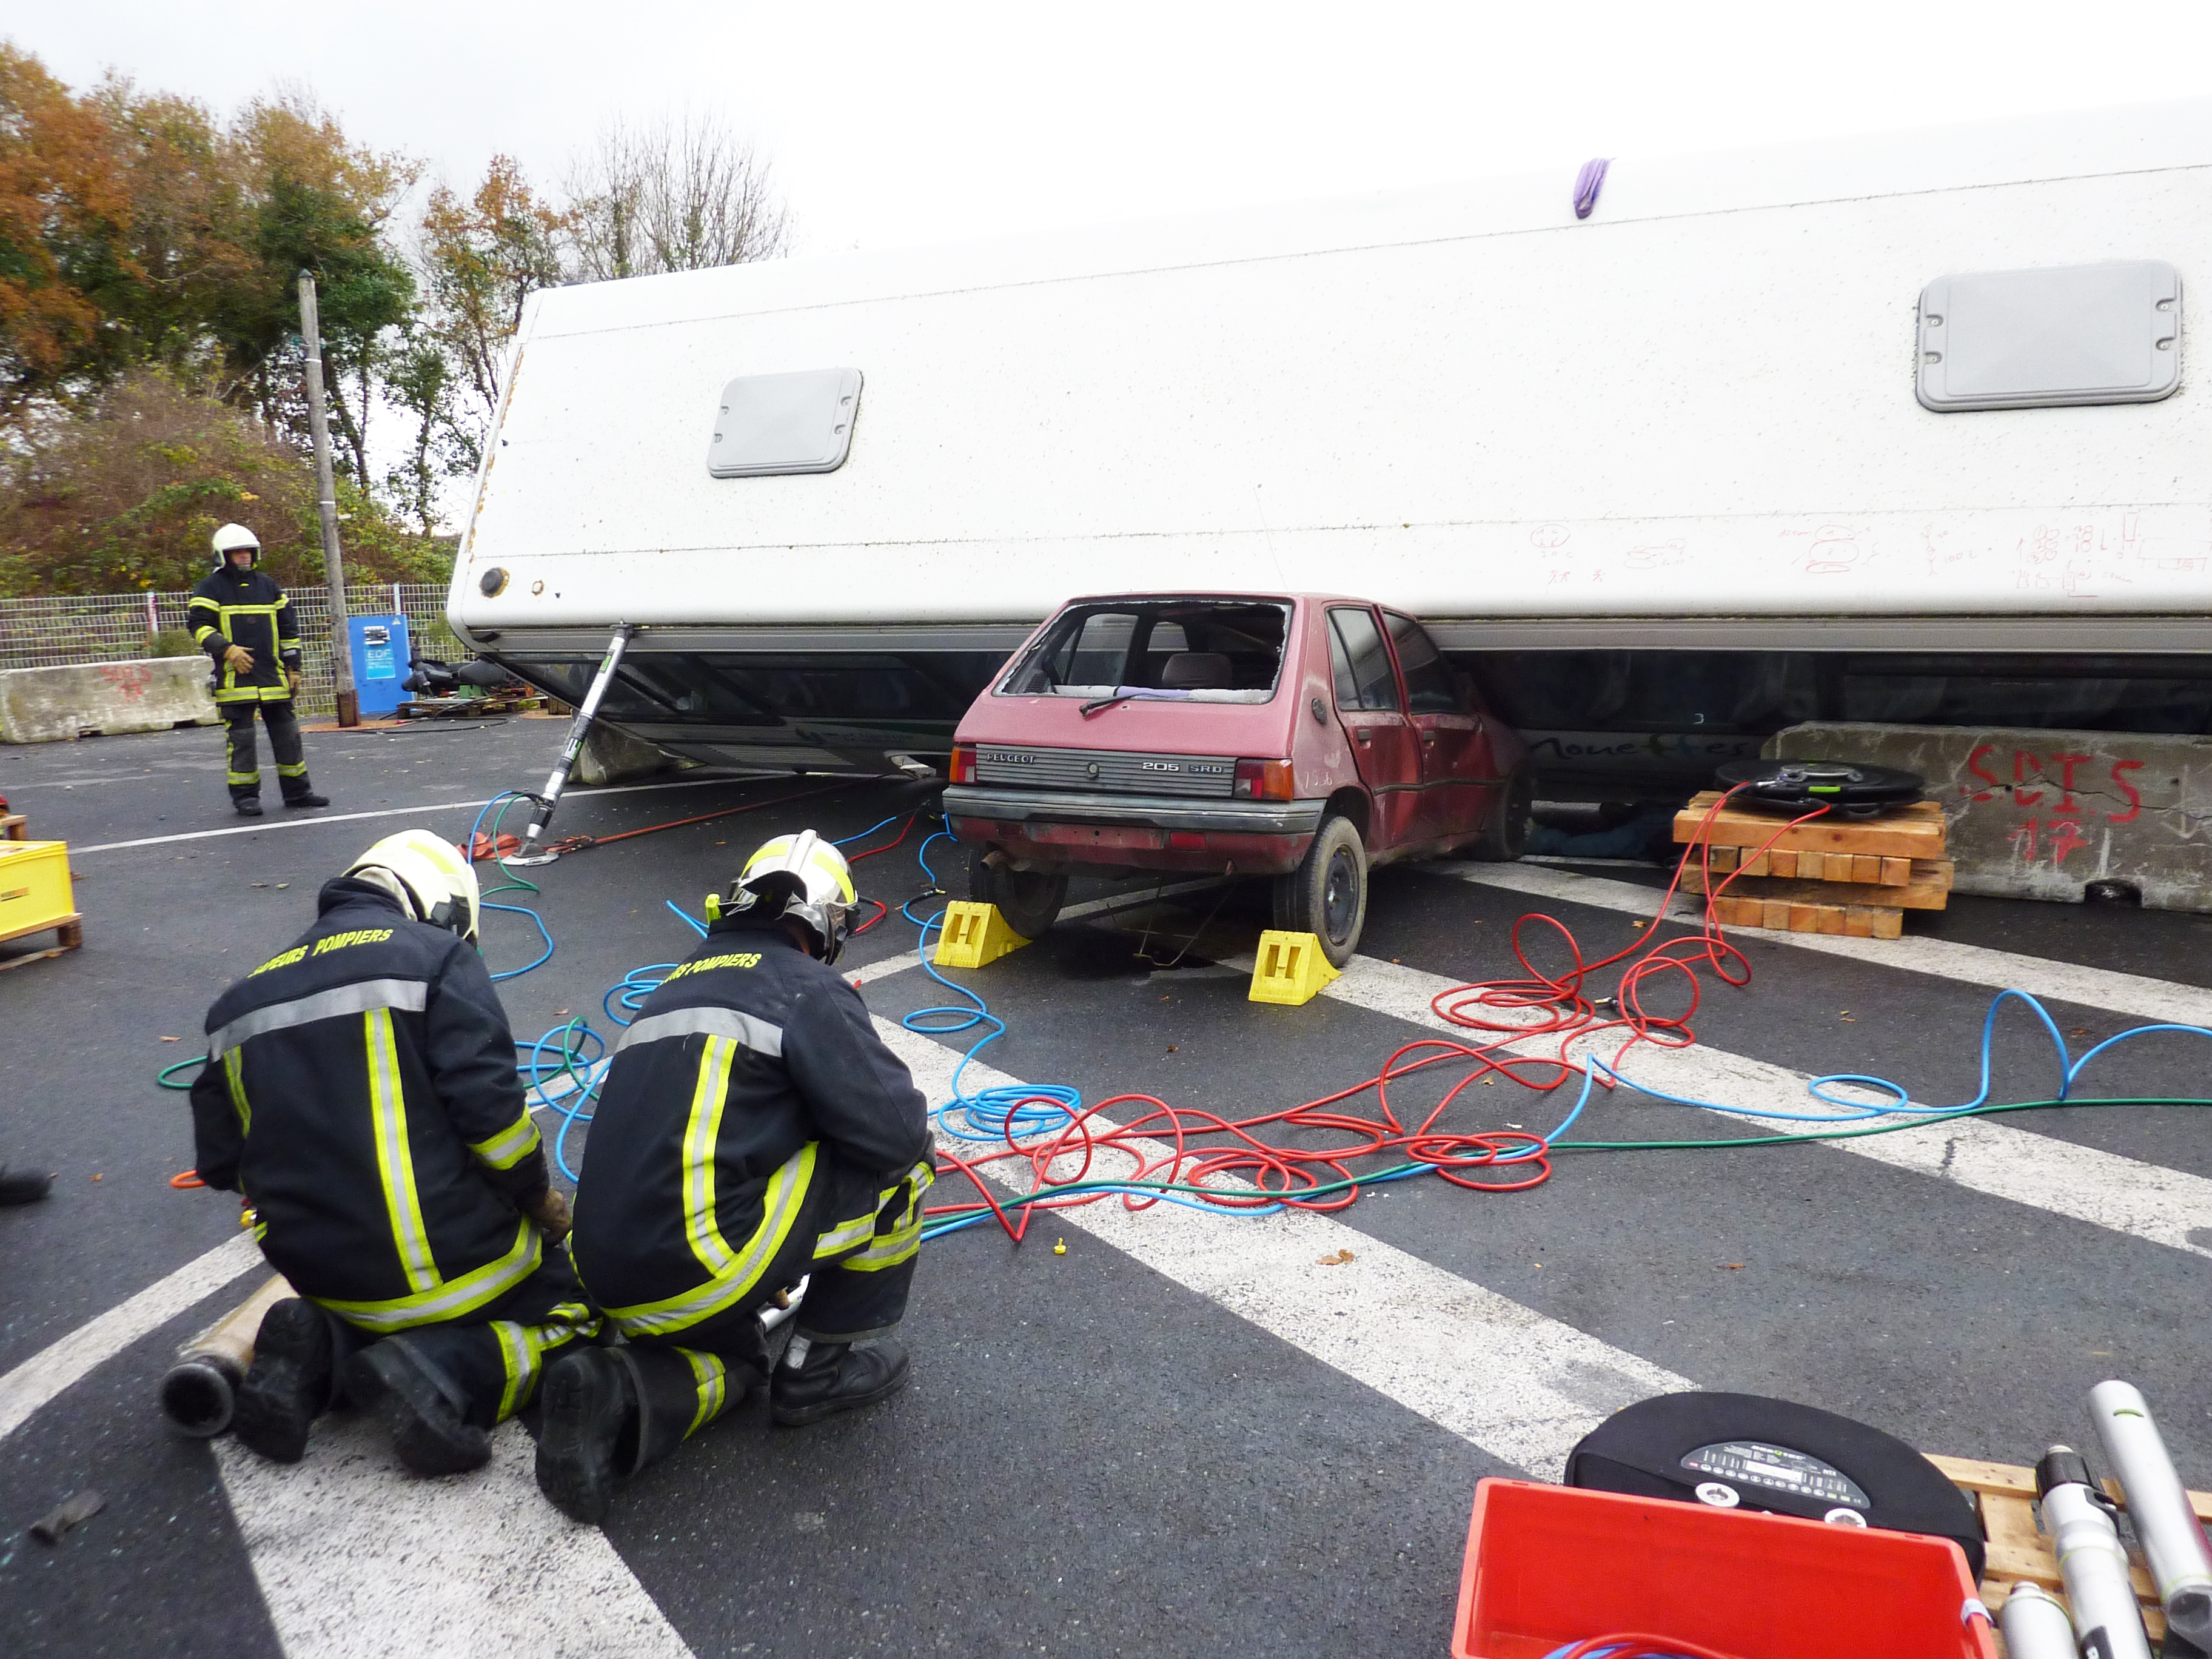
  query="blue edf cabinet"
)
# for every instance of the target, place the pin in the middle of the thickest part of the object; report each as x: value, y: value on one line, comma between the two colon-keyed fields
x: 380, y: 650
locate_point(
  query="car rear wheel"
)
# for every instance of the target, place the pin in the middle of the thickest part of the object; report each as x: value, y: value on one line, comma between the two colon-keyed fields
x: 1029, y: 900
x: 1505, y: 837
x: 1327, y: 895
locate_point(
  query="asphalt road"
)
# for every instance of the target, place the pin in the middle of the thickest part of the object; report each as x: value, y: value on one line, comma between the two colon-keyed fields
x: 1140, y: 1446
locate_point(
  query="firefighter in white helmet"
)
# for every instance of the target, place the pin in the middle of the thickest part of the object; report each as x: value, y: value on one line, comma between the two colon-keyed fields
x: 242, y: 619
x: 752, y: 1130
x: 361, y: 1094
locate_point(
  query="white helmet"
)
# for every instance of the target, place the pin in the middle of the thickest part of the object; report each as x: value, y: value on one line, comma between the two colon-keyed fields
x: 228, y: 539
x: 428, y: 874
x: 804, y: 879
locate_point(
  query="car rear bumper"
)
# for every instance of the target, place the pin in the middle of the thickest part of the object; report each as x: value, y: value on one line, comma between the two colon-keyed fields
x: 1051, y: 828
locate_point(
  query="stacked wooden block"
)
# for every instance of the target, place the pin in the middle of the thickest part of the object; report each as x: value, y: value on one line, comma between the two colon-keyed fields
x: 1852, y: 876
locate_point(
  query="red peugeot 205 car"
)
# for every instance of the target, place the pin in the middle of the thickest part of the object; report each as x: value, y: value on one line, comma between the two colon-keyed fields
x: 1299, y: 737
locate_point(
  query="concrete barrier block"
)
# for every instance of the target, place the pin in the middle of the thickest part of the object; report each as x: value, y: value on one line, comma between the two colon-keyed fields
x: 43, y: 705
x: 612, y: 757
x: 2041, y: 814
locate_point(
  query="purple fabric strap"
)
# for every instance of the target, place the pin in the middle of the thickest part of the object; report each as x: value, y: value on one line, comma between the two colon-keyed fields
x: 1588, y: 183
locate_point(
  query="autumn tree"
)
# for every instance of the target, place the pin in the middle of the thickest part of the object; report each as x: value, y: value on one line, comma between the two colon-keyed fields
x: 482, y: 257
x: 125, y: 494
x: 63, y: 237
x: 683, y: 195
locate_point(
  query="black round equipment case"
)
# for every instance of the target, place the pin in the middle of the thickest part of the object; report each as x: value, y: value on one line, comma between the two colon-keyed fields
x: 1640, y: 1450
x: 1847, y: 788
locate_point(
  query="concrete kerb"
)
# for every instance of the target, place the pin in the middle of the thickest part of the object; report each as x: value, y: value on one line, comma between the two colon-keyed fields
x: 47, y: 705
x: 2041, y: 814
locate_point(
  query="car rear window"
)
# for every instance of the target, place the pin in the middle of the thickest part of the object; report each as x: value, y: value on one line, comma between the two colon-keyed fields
x: 1171, y: 650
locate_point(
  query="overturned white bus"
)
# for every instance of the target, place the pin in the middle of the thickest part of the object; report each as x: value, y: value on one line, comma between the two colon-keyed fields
x: 1892, y: 429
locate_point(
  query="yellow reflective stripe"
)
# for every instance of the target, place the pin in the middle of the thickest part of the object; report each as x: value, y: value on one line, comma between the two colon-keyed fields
x: 710, y: 1375
x: 700, y: 1137
x: 846, y: 1234
x: 241, y: 777
x: 450, y: 1300
x: 510, y: 1146
x: 781, y: 1205
x: 903, y: 1239
x: 299, y: 771
x: 395, y: 1162
x: 200, y: 633
x: 234, y: 1062
x: 518, y: 1357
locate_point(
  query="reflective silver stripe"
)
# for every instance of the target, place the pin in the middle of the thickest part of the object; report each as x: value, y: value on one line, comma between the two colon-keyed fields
x: 846, y: 1234
x: 510, y: 1146
x: 453, y: 1298
x: 742, y: 1029
x: 780, y: 1204
x: 410, y: 995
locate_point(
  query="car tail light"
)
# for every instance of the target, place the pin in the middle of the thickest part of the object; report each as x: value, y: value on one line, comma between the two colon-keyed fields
x: 963, y: 762
x: 1263, y: 780
x: 1186, y: 841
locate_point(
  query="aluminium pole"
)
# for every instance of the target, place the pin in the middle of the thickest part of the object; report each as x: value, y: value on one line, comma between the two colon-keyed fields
x: 311, y: 337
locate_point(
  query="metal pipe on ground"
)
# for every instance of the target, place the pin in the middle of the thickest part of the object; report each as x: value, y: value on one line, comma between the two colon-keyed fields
x: 201, y: 1388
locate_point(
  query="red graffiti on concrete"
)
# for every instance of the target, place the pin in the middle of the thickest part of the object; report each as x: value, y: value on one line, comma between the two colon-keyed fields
x: 2055, y: 839
x: 127, y: 678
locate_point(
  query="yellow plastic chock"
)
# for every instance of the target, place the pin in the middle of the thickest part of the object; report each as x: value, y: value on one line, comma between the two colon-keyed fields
x: 975, y: 936
x: 1291, y: 969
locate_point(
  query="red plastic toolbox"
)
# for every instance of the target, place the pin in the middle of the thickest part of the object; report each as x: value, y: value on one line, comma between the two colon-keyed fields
x: 1547, y: 1565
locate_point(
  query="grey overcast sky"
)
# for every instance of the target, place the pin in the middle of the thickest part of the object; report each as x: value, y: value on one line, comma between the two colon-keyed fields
x: 894, y: 123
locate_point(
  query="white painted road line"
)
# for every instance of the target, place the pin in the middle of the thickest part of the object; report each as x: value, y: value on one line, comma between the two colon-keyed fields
x: 358, y: 1560
x: 2123, y: 1195
x: 1521, y: 1385
x: 53, y: 1369
x: 311, y: 821
x: 1976, y: 964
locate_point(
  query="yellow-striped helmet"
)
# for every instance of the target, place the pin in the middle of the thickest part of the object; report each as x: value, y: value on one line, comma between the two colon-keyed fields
x: 808, y: 879
x: 428, y: 874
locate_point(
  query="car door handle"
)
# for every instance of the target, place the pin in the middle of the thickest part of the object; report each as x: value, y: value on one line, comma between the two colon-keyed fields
x: 1363, y: 734
x: 1428, y: 739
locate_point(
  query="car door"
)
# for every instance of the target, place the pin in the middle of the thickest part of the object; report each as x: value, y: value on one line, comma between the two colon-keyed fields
x: 1369, y: 705
x: 1458, y: 767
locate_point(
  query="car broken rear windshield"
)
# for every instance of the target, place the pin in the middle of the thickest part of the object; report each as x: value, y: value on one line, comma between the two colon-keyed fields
x: 1164, y: 650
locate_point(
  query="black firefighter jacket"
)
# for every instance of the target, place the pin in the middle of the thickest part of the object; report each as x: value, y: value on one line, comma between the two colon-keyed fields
x: 361, y: 1091
x: 247, y: 608
x: 750, y: 1097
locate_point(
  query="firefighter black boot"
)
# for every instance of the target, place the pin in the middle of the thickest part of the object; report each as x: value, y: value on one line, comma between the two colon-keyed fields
x: 589, y: 1431
x: 289, y: 1385
x: 421, y: 1405
x: 815, y: 1380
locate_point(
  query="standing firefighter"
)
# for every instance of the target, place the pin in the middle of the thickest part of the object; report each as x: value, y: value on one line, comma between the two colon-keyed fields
x: 753, y: 1130
x: 241, y: 619
x: 361, y: 1092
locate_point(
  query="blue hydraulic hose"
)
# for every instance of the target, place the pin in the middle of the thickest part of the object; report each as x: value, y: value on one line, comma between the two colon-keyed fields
x: 1900, y: 1103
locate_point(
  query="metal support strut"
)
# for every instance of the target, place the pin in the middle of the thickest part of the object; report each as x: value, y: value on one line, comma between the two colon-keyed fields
x: 558, y: 779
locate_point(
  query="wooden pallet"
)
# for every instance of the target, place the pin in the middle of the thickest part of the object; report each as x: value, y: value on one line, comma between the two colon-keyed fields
x: 1909, y: 832
x: 2018, y: 1547
x: 70, y: 934
x: 1849, y: 878
x: 14, y: 826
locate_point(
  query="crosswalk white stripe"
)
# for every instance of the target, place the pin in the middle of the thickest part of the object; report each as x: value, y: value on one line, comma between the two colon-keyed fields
x: 58, y: 1366
x: 357, y: 1561
x: 1976, y: 964
x: 1523, y: 1387
x: 2123, y: 1195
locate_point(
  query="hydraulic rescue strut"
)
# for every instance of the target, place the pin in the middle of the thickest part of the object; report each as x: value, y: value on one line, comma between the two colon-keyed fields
x: 558, y: 779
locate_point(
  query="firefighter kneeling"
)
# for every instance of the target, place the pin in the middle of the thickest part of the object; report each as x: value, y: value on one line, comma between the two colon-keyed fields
x: 361, y: 1091
x: 753, y: 1130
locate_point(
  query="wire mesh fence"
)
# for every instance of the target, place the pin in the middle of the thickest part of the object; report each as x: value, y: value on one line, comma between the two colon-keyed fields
x: 78, y: 628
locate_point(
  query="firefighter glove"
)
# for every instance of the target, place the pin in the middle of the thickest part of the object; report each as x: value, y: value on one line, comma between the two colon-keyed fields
x: 552, y: 1215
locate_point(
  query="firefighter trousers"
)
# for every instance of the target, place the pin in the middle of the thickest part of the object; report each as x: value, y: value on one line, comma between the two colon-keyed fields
x: 245, y: 773
x: 858, y: 1280
x: 487, y: 1370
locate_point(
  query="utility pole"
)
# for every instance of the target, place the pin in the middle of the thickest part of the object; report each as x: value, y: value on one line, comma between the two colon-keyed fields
x: 310, y: 336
